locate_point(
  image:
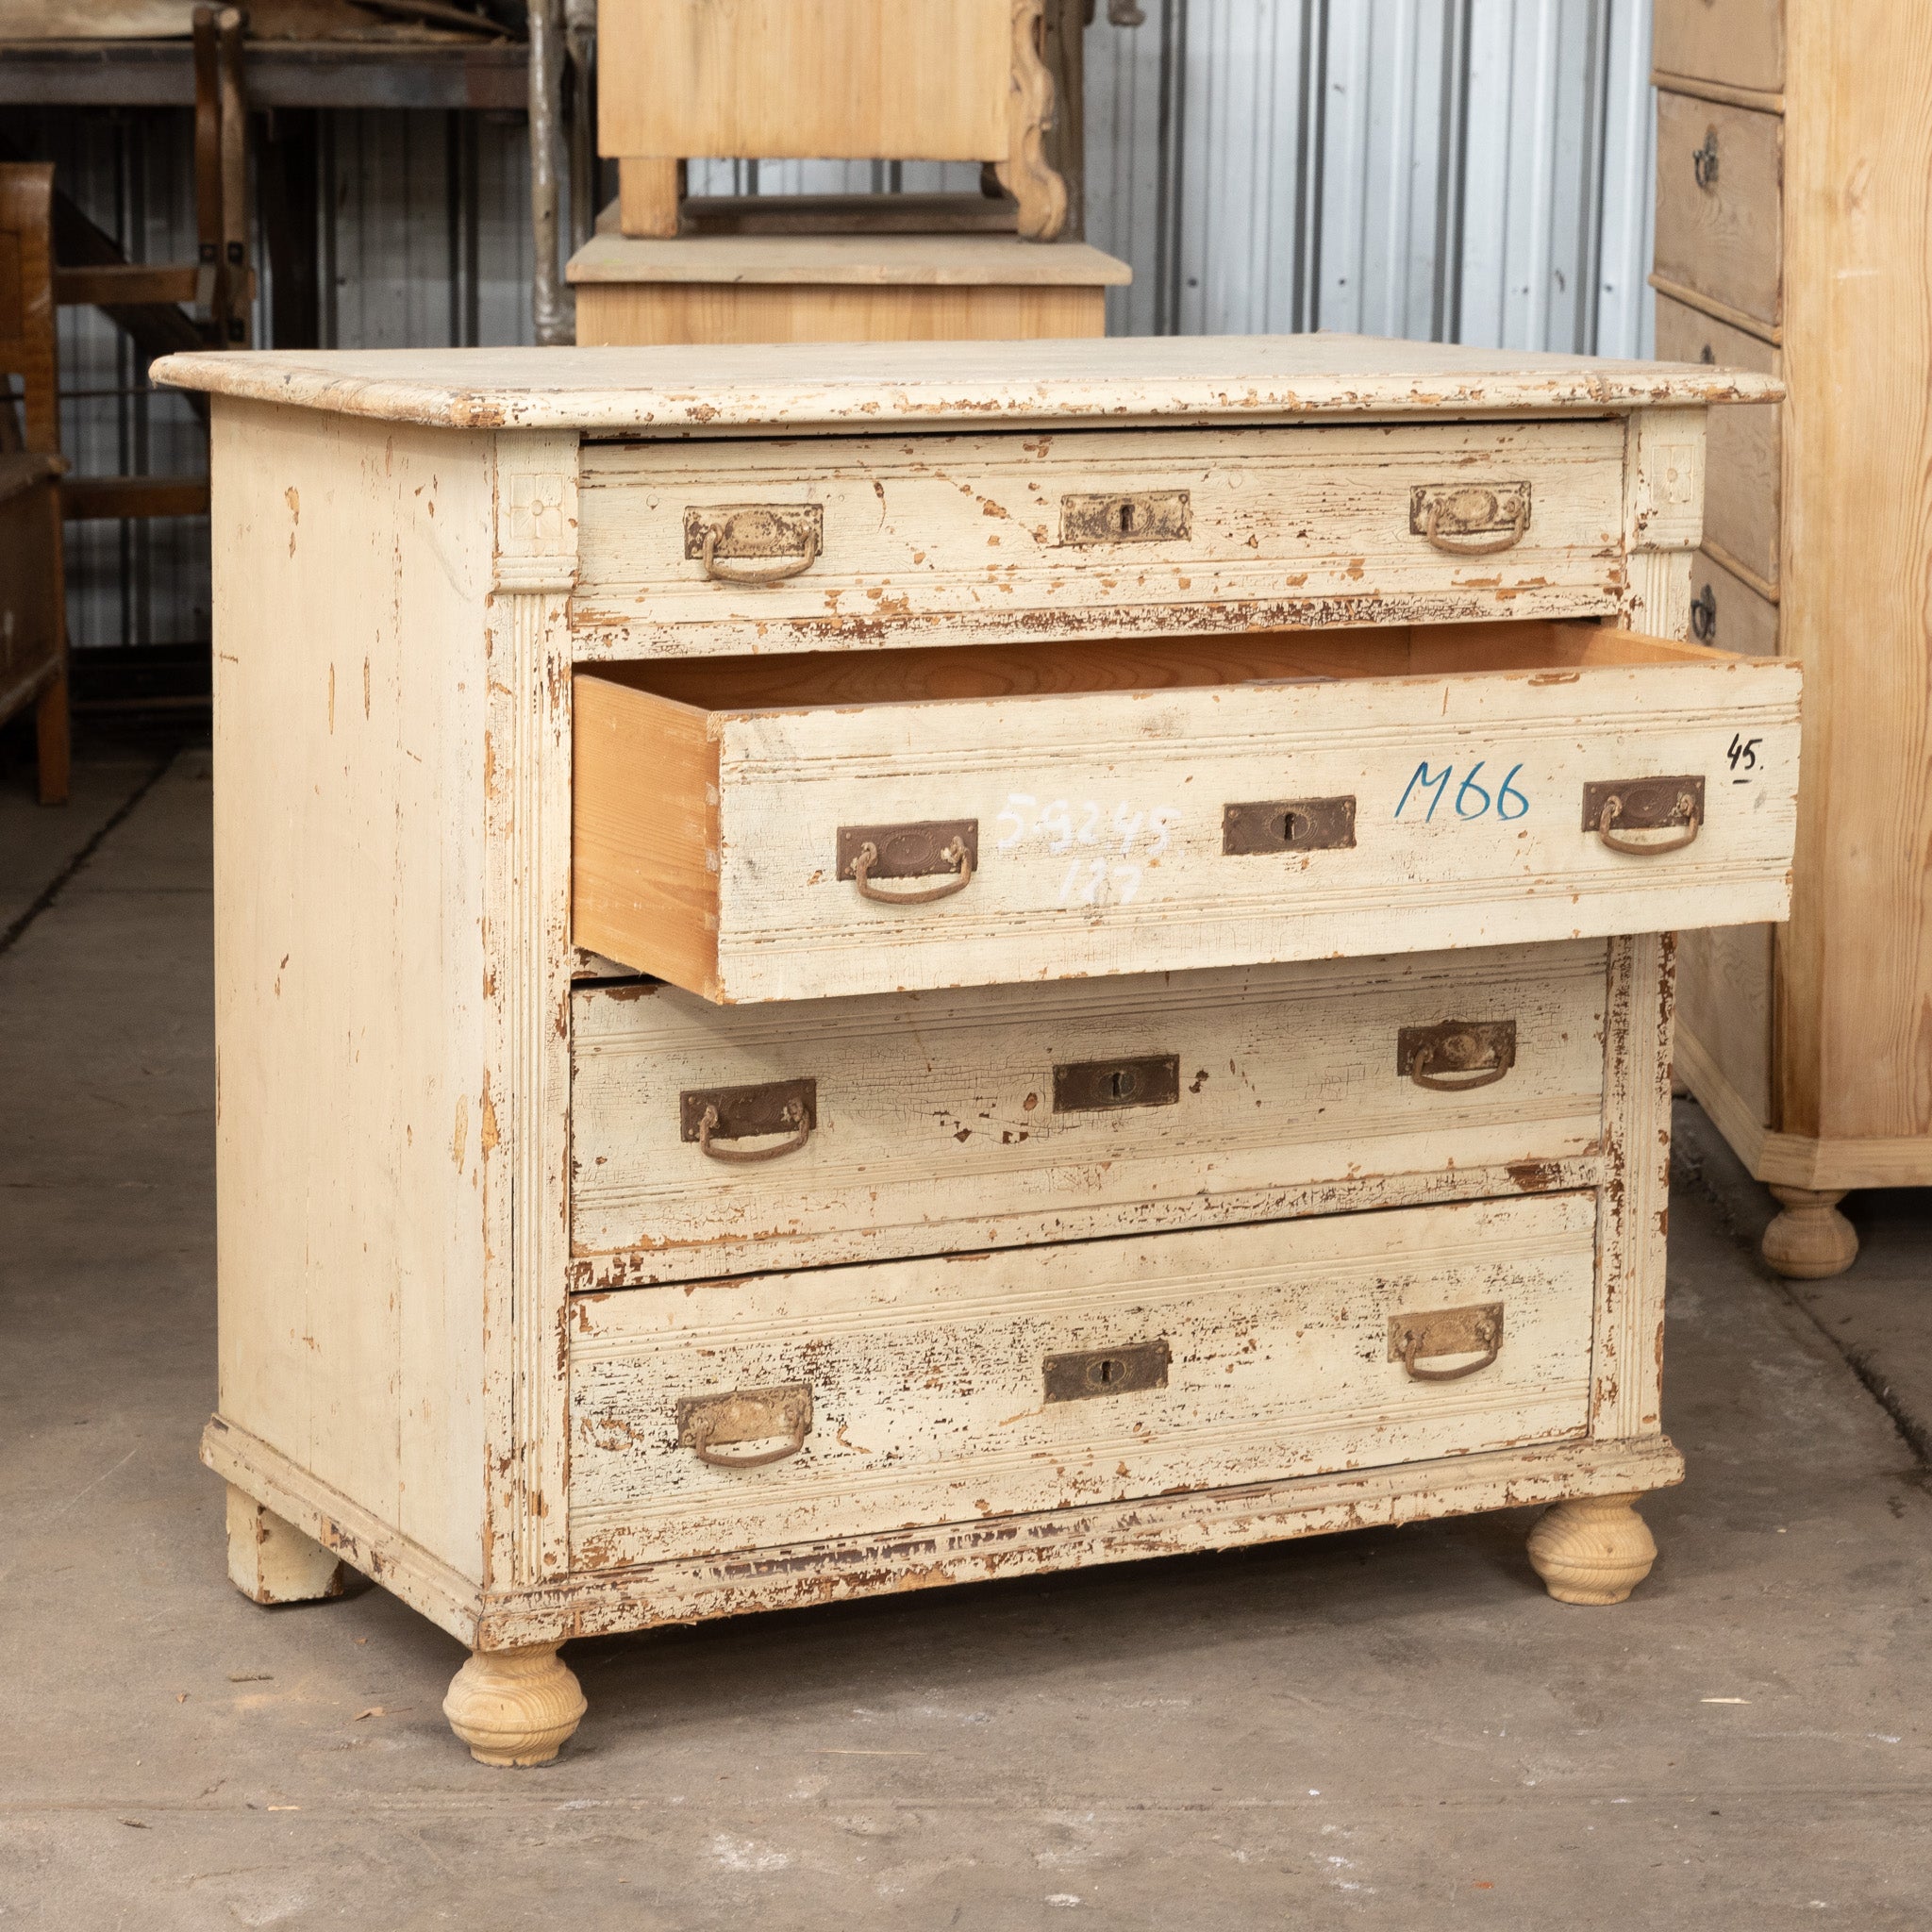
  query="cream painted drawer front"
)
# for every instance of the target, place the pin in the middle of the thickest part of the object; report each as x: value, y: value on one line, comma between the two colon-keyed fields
x: 1436, y: 811
x: 918, y: 1391
x: 997, y: 537
x: 995, y: 1116
x: 1720, y: 203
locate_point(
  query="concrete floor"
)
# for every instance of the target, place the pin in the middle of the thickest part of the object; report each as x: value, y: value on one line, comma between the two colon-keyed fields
x: 1384, y: 1729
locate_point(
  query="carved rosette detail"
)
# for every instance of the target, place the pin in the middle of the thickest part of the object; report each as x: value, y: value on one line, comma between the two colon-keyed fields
x: 1591, y: 1550
x: 1027, y: 173
x: 515, y: 1707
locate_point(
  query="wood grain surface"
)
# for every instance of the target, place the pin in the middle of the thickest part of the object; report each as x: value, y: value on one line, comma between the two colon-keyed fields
x: 1725, y: 240
x: 913, y: 80
x: 1743, y: 487
x: 611, y: 312
x: 1732, y: 42
x: 1855, y: 995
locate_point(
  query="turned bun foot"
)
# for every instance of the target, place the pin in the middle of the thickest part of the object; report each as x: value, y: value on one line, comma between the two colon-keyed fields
x: 1810, y: 1240
x: 514, y: 1706
x: 1594, y: 1550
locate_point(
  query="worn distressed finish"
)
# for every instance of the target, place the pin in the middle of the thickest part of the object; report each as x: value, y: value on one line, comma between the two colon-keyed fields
x: 928, y: 1385
x: 708, y: 831
x: 967, y: 538
x: 507, y: 1326
x: 936, y: 1127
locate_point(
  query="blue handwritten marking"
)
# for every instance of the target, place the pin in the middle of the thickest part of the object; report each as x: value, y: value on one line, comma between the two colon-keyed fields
x: 1422, y: 777
x: 1436, y: 784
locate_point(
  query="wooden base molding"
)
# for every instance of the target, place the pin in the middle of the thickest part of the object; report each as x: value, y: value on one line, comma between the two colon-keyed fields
x: 1799, y: 1161
x: 264, y: 1478
x: 1592, y: 1550
x: 515, y: 1707
x: 795, y: 1576
x: 1810, y: 1241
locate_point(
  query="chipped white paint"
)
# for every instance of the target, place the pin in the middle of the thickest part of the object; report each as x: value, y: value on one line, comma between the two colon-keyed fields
x: 937, y: 1127
x: 926, y: 1376
x: 780, y: 923
x: 447, y: 1181
x: 786, y: 389
x: 962, y: 538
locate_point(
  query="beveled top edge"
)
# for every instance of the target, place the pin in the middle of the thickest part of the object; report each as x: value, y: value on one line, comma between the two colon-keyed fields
x: 869, y: 385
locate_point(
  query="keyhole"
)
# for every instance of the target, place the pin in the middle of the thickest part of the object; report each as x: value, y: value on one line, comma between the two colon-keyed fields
x: 1124, y: 1083
x: 1126, y: 518
x: 1107, y: 1370
x: 1288, y: 827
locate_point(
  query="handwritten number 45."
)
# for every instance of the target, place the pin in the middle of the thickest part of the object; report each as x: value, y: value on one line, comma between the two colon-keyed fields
x: 1508, y: 802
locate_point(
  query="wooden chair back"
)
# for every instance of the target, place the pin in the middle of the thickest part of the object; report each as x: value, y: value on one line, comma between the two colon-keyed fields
x: 33, y: 610
x: 906, y: 81
x: 29, y: 359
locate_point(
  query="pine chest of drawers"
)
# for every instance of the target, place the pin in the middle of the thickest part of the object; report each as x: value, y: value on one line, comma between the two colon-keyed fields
x: 845, y: 969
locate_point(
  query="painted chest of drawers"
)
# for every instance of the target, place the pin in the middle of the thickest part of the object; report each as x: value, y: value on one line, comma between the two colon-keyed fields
x: 843, y: 969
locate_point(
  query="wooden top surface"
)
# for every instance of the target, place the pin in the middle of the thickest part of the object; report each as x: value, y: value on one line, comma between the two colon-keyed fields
x: 959, y: 386
x: 912, y: 261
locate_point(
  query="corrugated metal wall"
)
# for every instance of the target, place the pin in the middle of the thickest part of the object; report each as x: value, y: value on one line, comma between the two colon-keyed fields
x: 1463, y: 170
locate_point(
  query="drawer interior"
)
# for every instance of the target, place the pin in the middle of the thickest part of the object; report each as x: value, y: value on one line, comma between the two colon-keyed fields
x: 1071, y: 667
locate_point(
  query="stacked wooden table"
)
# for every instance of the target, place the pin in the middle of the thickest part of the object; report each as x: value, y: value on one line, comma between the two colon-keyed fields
x: 842, y: 969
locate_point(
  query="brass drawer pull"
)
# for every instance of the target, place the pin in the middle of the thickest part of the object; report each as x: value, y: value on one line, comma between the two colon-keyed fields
x: 1645, y: 804
x: 725, y: 573
x: 868, y: 853
x: 707, y: 1424
x: 1476, y: 546
x: 1470, y: 519
x: 1447, y: 1331
x: 1124, y: 1371
x: 793, y: 532
x: 708, y: 1115
x: 794, y: 1117
x: 1477, y: 1052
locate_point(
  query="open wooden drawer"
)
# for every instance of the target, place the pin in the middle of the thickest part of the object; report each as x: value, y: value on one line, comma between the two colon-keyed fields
x: 822, y: 823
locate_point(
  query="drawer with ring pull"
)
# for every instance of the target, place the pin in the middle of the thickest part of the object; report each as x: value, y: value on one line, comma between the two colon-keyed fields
x: 820, y: 824
x: 711, y: 1140
x: 838, y: 1401
x: 745, y: 545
